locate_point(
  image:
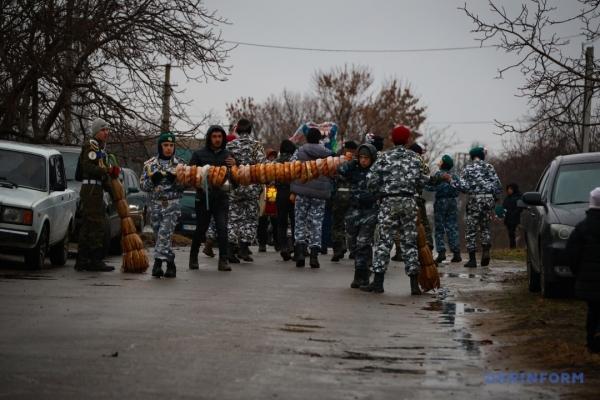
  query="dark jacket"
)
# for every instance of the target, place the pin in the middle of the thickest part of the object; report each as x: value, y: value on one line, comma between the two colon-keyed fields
x: 512, y: 212
x: 207, y: 156
x: 583, y: 253
x: 319, y: 188
x: 283, y: 158
x: 360, y: 196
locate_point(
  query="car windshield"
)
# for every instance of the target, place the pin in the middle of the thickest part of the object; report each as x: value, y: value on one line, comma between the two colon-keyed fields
x: 574, y: 183
x: 22, y: 169
x: 70, y: 160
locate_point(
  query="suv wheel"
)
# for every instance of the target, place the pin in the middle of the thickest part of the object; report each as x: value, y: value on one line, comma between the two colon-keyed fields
x: 36, y: 257
x: 533, y: 278
x: 60, y: 251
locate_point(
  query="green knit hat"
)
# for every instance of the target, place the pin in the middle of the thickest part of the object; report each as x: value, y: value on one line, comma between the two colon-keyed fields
x: 167, y: 137
x: 477, y: 152
x: 447, y: 162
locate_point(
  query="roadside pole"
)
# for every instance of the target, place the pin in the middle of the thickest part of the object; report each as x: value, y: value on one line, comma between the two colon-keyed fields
x: 589, y: 70
x: 166, y: 100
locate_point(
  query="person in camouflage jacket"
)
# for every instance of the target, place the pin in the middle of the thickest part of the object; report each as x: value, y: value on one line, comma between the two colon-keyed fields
x: 244, y: 206
x: 478, y: 179
x: 159, y: 179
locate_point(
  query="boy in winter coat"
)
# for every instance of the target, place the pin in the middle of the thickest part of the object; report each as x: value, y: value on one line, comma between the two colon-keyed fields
x: 583, y: 252
x: 512, y: 213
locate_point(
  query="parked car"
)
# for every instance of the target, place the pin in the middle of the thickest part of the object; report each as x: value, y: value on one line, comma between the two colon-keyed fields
x: 137, y: 200
x: 558, y: 203
x: 37, y: 209
x: 186, y: 223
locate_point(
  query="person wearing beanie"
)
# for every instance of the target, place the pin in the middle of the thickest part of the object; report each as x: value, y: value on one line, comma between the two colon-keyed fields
x: 445, y: 212
x: 395, y: 178
x: 285, y: 206
x: 341, y: 204
x: 512, y: 213
x: 159, y: 180
x: 583, y: 253
x: 310, y: 201
x: 480, y: 181
x: 361, y: 217
x: 244, y: 208
x: 216, y: 204
x: 96, y: 175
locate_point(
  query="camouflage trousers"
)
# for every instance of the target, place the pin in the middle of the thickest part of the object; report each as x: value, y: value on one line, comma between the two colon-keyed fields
x: 479, y: 213
x: 163, y: 221
x: 313, y: 210
x: 360, y: 226
x: 425, y: 220
x: 445, y: 217
x: 341, y: 204
x: 397, y: 212
x: 243, y: 219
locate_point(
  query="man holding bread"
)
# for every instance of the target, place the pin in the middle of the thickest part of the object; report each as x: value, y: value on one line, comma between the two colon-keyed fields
x: 215, y: 154
x: 160, y: 180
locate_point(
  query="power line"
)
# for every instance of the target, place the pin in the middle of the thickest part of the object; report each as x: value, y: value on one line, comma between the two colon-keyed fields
x: 472, y: 122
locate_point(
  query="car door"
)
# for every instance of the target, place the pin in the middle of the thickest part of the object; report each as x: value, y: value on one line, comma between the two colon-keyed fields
x: 536, y: 215
x: 57, y: 208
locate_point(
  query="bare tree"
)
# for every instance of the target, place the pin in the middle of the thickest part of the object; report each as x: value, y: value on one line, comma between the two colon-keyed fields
x: 437, y: 141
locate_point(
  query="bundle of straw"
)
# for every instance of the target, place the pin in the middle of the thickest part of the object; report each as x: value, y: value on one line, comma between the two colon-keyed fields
x: 134, y: 256
x: 428, y: 276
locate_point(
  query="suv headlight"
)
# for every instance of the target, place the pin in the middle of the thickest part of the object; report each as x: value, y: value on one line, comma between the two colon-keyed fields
x: 17, y: 216
x: 561, y: 232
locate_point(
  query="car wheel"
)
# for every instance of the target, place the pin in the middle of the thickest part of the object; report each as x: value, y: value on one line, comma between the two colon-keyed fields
x: 533, y: 278
x: 549, y: 289
x: 60, y: 251
x: 36, y: 257
x: 115, y: 248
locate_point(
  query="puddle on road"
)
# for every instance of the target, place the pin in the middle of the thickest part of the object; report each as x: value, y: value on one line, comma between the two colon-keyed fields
x: 351, y: 355
x: 28, y: 277
x: 455, y: 275
x: 371, y: 368
x: 99, y: 284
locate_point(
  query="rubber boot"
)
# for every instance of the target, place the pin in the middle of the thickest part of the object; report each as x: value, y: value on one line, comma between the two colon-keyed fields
x: 441, y: 257
x: 414, y: 285
x: 224, y: 265
x: 231, y: 253
x: 472, y: 263
x: 83, y: 260
x: 375, y: 286
x: 485, y: 256
x: 299, y: 253
x: 194, y: 261
x: 171, y: 270
x: 456, y: 258
x: 157, y: 271
x: 338, y: 253
x: 244, y: 252
x: 96, y: 263
x: 314, y: 258
x: 360, y: 276
x: 208, y: 247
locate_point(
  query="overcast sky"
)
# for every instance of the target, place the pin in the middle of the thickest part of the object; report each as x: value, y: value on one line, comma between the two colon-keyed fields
x: 459, y: 87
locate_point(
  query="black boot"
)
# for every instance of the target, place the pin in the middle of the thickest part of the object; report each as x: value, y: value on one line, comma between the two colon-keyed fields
x: 441, y: 257
x: 314, y: 258
x: 83, y: 260
x: 377, y: 284
x: 231, y: 253
x: 96, y: 263
x: 171, y: 270
x: 208, y: 247
x: 414, y: 284
x: 361, y: 278
x: 299, y: 253
x: 365, y: 277
x: 245, y: 252
x: 456, y: 258
x: 157, y: 268
x: 485, y: 256
x: 285, y: 254
x: 224, y: 265
x: 323, y: 250
x: 472, y: 263
x: 338, y: 253
x: 194, y: 261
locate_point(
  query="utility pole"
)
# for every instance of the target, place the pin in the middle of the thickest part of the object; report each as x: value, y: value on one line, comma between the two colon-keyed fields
x: 166, y: 100
x: 589, y: 70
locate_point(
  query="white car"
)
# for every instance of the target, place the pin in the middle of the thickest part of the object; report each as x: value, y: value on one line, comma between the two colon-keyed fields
x: 37, y: 210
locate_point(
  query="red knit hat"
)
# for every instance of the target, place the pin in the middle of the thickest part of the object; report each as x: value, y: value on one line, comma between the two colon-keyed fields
x: 229, y: 138
x: 400, y: 134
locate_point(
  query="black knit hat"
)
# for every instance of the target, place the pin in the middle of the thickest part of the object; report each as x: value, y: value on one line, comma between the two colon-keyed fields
x: 416, y: 148
x: 378, y: 144
x: 350, y: 145
x: 313, y: 135
x: 287, y: 147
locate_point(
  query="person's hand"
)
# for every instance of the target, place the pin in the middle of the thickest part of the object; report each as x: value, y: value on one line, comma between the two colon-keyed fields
x: 230, y: 161
x: 113, y: 172
x: 171, y: 177
x: 156, y: 178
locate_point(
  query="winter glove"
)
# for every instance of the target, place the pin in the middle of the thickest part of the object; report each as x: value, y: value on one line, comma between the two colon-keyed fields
x: 156, y: 178
x: 171, y: 177
x: 113, y: 172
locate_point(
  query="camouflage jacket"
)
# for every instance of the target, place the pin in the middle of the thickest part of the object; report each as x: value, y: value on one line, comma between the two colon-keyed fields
x: 444, y: 190
x: 247, y: 151
x: 478, y: 178
x: 397, y: 171
x: 356, y: 176
x: 165, y: 190
x: 94, y: 162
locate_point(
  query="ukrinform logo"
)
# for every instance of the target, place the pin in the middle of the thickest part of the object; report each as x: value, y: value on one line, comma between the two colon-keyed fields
x: 534, y: 377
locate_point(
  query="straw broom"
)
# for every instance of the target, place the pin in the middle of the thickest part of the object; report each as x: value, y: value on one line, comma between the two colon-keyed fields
x: 428, y: 276
x: 134, y: 255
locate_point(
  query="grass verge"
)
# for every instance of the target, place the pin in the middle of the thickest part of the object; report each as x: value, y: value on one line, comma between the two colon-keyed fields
x: 508, y: 254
